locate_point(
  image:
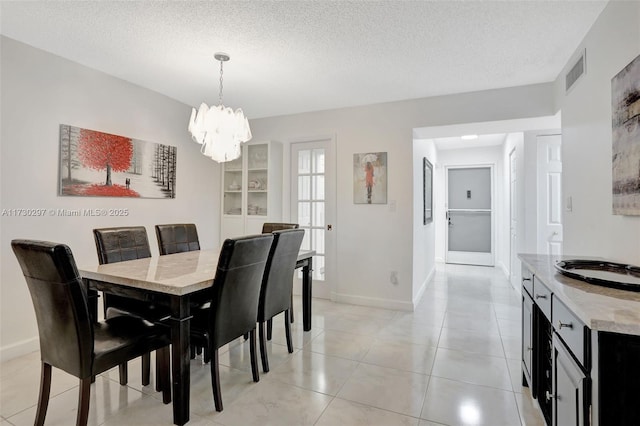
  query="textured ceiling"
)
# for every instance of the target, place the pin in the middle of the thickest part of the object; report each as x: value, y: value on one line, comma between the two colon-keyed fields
x: 289, y: 57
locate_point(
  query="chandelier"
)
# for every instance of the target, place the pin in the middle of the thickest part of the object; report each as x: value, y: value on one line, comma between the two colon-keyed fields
x: 219, y: 129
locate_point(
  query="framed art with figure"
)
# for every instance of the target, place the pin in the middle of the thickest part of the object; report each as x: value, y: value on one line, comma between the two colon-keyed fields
x: 427, y: 181
x: 370, y: 178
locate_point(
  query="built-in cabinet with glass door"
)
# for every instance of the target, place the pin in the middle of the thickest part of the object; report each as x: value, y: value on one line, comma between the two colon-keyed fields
x: 252, y: 190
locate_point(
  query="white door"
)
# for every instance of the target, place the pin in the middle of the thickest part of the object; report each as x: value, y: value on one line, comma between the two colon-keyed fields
x: 313, y: 186
x: 469, y: 215
x: 549, y: 194
x: 514, y: 263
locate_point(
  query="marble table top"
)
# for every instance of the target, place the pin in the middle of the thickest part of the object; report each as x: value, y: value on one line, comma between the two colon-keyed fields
x: 600, y: 308
x: 178, y: 274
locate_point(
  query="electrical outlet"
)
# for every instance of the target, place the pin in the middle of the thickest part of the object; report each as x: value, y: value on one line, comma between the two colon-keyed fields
x: 393, y: 277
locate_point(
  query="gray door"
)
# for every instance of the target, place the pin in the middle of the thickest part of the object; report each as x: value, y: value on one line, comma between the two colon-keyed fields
x: 469, y: 215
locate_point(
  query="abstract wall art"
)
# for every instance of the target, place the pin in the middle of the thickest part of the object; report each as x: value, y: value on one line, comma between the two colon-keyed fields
x: 625, y: 110
x: 97, y: 164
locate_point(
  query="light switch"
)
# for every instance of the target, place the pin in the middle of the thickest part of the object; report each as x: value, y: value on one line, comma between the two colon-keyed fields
x: 468, y: 193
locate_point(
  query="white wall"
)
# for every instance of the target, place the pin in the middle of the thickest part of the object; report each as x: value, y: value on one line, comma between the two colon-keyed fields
x: 591, y: 228
x: 372, y: 240
x: 423, y: 235
x: 40, y: 91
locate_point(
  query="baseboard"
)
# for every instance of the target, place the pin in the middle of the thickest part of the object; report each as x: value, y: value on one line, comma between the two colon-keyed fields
x: 18, y: 349
x: 423, y: 287
x: 504, y: 268
x: 374, y: 302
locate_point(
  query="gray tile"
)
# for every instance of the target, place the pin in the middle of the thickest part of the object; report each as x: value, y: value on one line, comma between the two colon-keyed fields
x: 386, y: 388
x: 341, y: 412
x: 455, y: 403
x: 472, y: 368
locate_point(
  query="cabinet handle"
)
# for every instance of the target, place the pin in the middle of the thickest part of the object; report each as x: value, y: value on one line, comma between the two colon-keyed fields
x: 561, y: 325
x: 549, y: 395
x: 526, y: 279
x: 541, y: 296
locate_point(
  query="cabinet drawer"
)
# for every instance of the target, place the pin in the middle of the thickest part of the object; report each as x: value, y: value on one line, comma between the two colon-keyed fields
x: 572, y: 331
x: 542, y: 297
x: 527, y: 280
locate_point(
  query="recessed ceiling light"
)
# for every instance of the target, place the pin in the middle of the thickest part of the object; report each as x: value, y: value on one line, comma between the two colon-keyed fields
x: 469, y: 137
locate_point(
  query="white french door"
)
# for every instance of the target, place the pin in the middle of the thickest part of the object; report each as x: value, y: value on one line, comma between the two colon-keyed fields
x: 470, y: 215
x: 313, y: 208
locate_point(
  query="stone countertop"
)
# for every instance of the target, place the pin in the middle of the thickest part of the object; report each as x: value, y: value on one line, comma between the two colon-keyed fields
x: 600, y: 308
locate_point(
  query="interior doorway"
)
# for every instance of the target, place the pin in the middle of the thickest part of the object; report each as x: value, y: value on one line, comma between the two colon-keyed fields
x: 469, y: 215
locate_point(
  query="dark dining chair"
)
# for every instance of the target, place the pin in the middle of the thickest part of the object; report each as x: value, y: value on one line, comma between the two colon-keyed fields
x: 180, y: 238
x: 177, y: 238
x: 69, y: 339
x: 117, y: 245
x: 275, y: 293
x: 268, y: 228
x: 234, y: 302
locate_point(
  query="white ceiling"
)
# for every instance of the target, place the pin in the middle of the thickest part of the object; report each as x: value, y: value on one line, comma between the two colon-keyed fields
x: 297, y: 56
x: 482, y: 141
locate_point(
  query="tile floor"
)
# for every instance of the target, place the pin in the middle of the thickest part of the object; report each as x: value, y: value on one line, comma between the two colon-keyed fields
x: 454, y: 361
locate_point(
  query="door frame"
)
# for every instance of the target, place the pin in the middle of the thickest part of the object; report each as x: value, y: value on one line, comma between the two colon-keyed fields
x: 514, y: 274
x: 465, y: 258
x: 331, y: 237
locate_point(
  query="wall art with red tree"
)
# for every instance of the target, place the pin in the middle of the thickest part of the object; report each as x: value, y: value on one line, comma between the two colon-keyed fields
x: 100, y: 164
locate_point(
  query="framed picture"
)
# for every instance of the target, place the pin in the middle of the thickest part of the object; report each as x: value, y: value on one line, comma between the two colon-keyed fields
x: 96, y: 164
x: 370, y: 178
x: 625, y: 124
x: 427, y: 190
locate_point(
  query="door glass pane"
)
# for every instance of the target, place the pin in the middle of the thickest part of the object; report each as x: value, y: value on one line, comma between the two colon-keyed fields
x: 306, y: 242
x: 317, y: 237
x: 317, y: 210
x: 304, y: 214
x: 318, y: 187
x: 318, y: 161
x: 470, y: 231
x: 304, y: 161
x: 318, y: 267
x: 470, y: 188
x: 304, y: 188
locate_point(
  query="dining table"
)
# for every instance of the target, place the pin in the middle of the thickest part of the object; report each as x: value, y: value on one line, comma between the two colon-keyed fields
x: 172, y: 280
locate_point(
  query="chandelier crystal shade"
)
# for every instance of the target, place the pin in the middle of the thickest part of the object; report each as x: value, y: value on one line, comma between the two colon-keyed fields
x: 219, y: 129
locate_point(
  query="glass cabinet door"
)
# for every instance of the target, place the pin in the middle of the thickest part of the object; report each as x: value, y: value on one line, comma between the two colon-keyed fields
x: 232, y: 187
x: 257, y: 179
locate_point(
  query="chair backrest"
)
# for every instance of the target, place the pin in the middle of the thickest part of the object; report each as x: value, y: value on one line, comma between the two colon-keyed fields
x: 122, y: 243
x: 236, y: 287
x: 177, y: 238
x: 60, y: 303
x: 275, y: 293
x: 269, y: 227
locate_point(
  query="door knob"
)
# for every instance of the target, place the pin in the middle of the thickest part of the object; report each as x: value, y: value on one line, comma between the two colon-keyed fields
x: 329, y: 227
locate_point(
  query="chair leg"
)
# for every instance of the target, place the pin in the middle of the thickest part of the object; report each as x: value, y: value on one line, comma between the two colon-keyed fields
x: 146, y: 369
x: 291, y: 308
x: 254, y: 356
x: 83, y: 402
x: 206, y: 355
x: 193, y: 352
x: 263, y: 347
x: 163, y: 378
x: 269, y: 328
x: 215, y: 379
x: 124, y: 375
x: 43, y: 399
x: 287, y: 331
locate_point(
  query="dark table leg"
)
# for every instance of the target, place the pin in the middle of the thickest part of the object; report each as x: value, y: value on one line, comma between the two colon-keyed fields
x: 180, y: 354
x: 307, y: 270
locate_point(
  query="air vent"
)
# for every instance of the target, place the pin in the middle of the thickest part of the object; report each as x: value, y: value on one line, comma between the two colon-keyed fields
x: 576, y: 72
